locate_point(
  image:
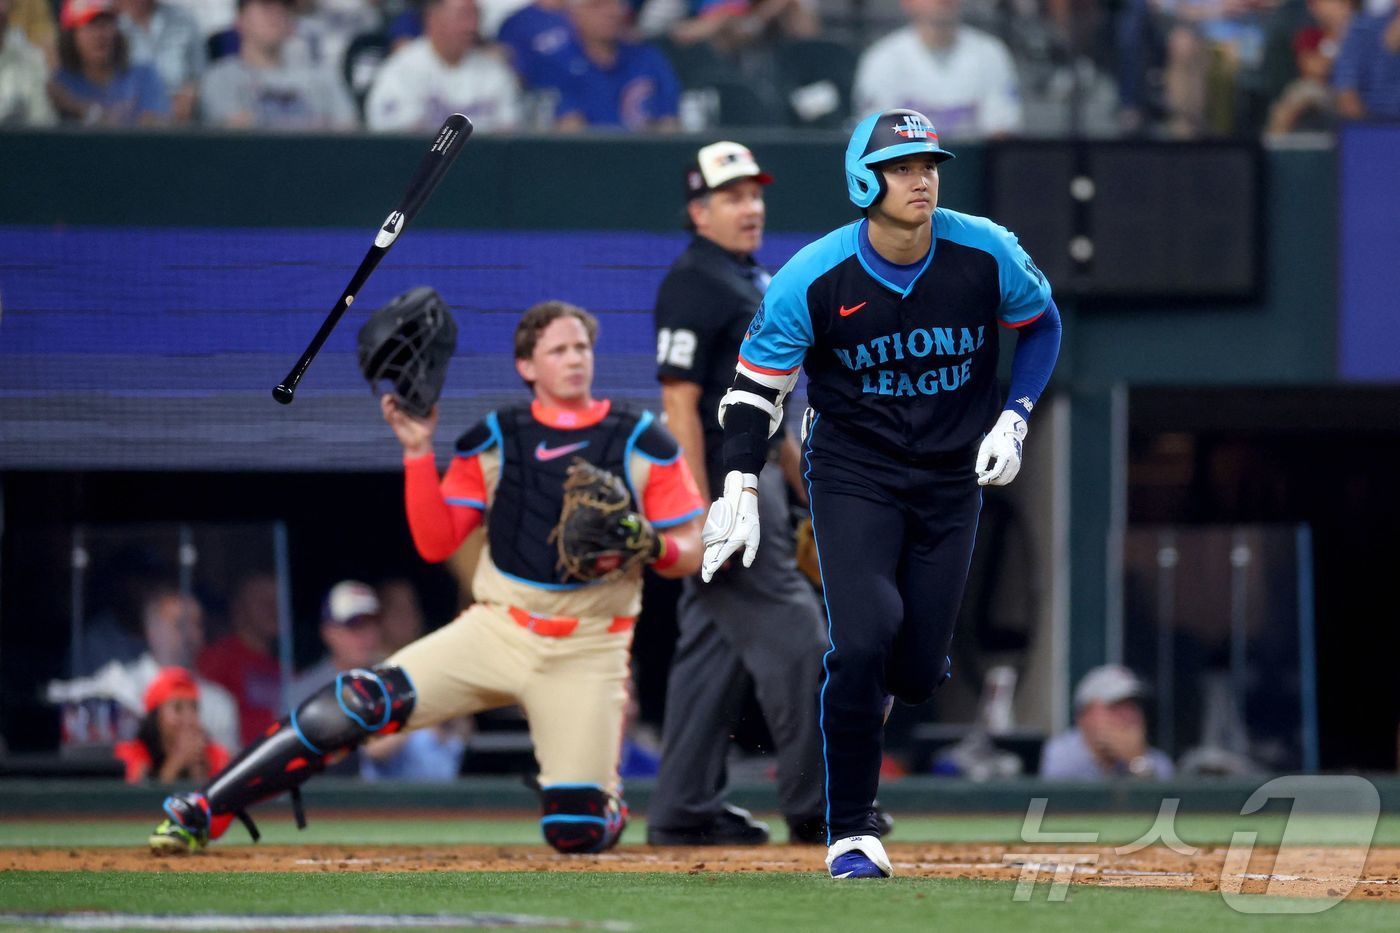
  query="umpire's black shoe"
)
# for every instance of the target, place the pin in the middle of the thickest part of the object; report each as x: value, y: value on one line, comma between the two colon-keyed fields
x: 732, y: 826
x: 812, y: 830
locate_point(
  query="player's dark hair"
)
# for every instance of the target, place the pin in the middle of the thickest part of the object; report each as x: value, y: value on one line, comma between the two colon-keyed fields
x: 68, y: 58
x: 537, y: 317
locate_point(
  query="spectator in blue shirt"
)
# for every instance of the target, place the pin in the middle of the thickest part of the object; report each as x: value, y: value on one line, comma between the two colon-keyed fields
x: 604, y: 81
x: 537, y: 36
x: 95, y: 82
x: 1367, y: 73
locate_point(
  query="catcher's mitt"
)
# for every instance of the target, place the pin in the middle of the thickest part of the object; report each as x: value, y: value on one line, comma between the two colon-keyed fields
x: 599, y: 535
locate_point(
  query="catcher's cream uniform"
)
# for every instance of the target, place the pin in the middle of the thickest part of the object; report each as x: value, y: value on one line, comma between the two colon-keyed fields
x: 557, y: 647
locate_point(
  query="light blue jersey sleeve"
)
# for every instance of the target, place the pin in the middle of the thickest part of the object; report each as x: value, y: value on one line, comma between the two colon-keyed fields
x: 1025, y: 292
x: 781, y: 330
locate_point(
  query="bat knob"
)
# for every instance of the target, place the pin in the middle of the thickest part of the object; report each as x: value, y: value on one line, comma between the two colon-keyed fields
x: 282, y: 394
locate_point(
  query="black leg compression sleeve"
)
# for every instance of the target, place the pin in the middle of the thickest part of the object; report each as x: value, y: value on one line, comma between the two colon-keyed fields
x: 336, y: 718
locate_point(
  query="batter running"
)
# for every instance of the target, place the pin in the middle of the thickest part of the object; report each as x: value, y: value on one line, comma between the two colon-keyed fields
x: 895, y: 320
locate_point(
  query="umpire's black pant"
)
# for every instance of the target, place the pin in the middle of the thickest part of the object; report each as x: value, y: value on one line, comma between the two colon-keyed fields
x: 758, y: 625
x: 894, y: 541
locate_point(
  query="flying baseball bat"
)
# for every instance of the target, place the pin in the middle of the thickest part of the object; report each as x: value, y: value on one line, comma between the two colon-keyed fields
x: 446, y: 145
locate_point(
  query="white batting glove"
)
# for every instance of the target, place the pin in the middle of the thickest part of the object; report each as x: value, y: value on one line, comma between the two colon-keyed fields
x: 999, y: 457
x: 731, y: 524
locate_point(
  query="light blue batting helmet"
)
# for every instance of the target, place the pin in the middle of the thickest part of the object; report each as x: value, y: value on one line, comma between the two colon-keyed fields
x: 881, y: 137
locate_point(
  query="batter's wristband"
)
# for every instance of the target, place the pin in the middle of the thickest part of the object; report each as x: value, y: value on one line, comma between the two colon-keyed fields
x: 670, y: 553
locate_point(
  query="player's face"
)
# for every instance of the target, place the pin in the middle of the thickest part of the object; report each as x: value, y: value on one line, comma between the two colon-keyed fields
x: 911, y: 191
x: 561, y: 367
x: 732, y: 216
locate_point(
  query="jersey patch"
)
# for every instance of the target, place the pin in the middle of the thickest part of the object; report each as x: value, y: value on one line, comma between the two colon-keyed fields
x: 756, y: 324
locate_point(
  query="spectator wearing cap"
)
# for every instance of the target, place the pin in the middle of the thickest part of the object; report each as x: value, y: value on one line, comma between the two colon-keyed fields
x: 23, y: 75
x: 168, y: 39
x: 603, y: 80
x: 445, y: 71
x: 350, y: 631
x: 173, y: 623
x: 1110, y: 735
x: 762, y: 626
x: 171, y: 744
x: 1367, y: 73
x: 96, y: 82
x: 262, y: 87
x: 1308, y: 103
x: 961, y: 78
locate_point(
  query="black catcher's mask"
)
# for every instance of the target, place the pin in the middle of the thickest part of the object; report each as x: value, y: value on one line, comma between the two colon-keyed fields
x: 408, y: 344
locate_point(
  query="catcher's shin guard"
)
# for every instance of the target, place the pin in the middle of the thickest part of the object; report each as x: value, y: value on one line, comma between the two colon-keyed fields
x: 581, y: 818
x: 342, y: 714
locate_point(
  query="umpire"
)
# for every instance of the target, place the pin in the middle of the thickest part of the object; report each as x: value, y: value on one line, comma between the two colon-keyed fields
x: 763, y: 625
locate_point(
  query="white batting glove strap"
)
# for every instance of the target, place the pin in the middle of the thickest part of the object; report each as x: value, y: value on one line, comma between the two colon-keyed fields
x: 731, y: 524
x: 999, y: 457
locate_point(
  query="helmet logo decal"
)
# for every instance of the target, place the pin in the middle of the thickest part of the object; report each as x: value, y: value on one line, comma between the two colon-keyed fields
x: 915, y: 127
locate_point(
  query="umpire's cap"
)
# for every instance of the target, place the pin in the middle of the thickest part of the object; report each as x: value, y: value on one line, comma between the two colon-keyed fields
x: 880, y: 137
x: 719, y: 164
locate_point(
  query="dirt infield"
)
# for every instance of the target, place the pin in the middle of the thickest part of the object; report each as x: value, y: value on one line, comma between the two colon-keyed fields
x: 1300, y: 872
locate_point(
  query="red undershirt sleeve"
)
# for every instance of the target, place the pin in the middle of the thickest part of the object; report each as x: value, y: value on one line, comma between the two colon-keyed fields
x: 440, y: 516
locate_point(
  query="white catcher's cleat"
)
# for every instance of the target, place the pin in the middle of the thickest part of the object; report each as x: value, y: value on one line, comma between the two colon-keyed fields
x: 858, y: 857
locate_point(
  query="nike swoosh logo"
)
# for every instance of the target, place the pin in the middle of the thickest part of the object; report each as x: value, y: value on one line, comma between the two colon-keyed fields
x: 546, y: 453
x: 847, y: 312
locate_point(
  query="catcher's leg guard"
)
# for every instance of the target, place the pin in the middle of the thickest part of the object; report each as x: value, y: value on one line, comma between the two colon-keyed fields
x: 581, y: 818
x: 333, y: 720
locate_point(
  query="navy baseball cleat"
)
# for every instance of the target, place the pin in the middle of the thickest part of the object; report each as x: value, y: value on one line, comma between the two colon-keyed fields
x: 186, y: 830
x: 858, y: 857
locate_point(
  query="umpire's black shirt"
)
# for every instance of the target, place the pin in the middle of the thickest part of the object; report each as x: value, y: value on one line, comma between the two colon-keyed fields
x: 703, y: 308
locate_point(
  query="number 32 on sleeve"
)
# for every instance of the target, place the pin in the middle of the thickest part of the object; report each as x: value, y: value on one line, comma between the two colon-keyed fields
x: 675, y: 348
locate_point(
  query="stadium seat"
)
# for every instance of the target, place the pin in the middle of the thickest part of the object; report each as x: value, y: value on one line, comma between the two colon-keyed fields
x: 363, y: 56
x: 815, y: 79
x: 741, y: 105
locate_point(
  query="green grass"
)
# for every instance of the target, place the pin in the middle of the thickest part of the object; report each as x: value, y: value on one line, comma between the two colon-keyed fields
x: 1114, y: 829
x: 663, y: 902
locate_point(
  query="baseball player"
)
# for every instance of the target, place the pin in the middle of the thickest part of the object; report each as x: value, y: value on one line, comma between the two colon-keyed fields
x: 556, y: 646
x: 895, y: 319
x: 762, y: 627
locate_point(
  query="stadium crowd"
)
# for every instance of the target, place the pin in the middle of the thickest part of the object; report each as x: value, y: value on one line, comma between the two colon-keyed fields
x: 979, y: 68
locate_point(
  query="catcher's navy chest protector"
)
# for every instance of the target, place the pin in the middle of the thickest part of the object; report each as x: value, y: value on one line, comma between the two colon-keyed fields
x: 535, y: 459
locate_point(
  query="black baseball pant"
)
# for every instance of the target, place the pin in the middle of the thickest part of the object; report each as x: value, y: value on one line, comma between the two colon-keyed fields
x: 894, y: 540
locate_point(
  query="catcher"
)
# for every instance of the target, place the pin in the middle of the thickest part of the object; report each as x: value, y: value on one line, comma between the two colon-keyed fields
x: 580, y: 495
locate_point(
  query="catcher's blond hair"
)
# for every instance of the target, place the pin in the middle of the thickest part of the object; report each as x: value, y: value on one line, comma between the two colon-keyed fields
x: 537, y: 317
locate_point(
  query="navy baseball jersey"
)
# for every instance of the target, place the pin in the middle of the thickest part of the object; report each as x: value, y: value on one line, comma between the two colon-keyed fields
x: 910, y: 370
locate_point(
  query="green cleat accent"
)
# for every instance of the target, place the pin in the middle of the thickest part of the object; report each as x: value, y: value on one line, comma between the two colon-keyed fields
x: 170, y: 838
